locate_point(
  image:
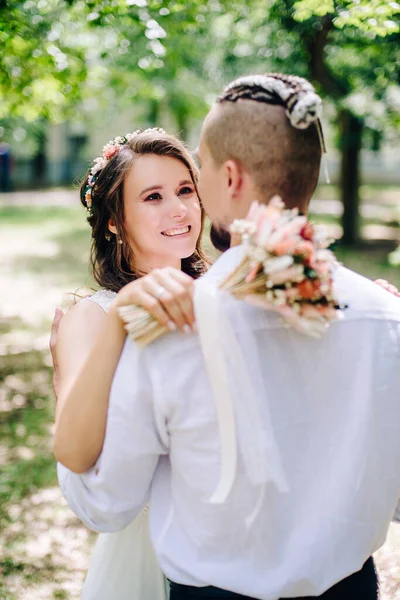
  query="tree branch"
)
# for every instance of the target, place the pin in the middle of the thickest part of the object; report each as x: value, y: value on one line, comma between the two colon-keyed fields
x: 318, y: 68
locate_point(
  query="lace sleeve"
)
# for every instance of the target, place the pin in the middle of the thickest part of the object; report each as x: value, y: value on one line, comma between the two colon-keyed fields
x: 103, y: 298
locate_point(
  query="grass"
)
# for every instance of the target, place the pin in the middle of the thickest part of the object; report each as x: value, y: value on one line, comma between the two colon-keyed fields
x: 44, y: 254
x: 43, y: 548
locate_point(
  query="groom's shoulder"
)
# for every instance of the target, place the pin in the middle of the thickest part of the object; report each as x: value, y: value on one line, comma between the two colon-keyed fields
x: 362, y: 295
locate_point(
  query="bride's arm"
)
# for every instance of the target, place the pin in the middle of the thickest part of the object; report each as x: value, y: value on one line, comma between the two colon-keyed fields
x: 89, y: 344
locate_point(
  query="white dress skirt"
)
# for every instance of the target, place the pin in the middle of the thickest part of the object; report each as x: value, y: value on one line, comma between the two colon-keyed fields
x: 123, y: 565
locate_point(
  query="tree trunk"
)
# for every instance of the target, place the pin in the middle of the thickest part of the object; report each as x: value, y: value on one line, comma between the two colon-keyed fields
x: 39, y: 161
x: 182, y: 118
x: 153, y: 114
x: 351, y: 130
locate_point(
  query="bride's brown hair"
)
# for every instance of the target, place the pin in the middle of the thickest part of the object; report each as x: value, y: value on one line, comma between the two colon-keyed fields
x: 112, y: 262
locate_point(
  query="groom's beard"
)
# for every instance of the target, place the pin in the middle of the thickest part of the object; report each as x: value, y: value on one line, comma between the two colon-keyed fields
x: 220, y: 238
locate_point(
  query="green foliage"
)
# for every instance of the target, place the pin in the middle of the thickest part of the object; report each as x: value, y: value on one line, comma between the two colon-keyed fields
x: 305, y: 9
x: 379, y: 17
x: 42, y: 59
x: 56, y: 55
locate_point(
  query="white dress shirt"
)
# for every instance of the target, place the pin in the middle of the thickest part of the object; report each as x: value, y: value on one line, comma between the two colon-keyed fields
x: 334, y: 408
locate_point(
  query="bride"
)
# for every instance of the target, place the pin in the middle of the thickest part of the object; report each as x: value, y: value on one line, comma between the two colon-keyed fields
x: 146, y: 223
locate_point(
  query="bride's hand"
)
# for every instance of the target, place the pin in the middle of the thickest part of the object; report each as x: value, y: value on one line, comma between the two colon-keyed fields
x: 389, y: 287
x: 58, y: 315
x: 167, y: 294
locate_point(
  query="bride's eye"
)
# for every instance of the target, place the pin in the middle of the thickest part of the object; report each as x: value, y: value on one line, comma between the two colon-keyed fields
x: 154, y: 196
x: 186, y: 190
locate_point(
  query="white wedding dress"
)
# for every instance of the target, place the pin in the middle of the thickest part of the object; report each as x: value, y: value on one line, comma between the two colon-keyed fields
x: 123, y: 565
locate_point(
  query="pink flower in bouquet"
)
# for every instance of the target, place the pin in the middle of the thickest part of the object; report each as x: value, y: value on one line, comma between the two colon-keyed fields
x: 265, y: 226
x: 276, y: 202
x: 307, y: 232
x: 309, y: 289
x: 258, y: 213
x: 110, y: 151
x: 322, y: 268
x: 289, y: 256
x: 292, y: 294
x: 305, y: 249
x: 293, y: 227
x: 264, y: 230
x: 255, y: 211
x: 293, y: 273
x: 286, y: 246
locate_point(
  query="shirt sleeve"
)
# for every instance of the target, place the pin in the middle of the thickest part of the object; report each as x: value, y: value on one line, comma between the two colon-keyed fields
x: 109, y: 496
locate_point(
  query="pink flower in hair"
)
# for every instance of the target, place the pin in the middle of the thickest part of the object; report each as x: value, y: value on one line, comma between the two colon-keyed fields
x: 110, y: 151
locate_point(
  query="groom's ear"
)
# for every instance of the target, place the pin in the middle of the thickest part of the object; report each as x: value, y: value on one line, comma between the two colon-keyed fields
x: 234, y: 177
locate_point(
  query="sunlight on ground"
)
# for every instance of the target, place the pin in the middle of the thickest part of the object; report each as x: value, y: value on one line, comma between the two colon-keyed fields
x: 41, y: 271
x: 53, y: 553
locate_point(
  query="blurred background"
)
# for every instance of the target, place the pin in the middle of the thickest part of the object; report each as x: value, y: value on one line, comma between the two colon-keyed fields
x: 74, y: 74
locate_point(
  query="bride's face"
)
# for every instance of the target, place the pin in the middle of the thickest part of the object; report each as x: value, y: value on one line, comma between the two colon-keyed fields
x: 162, y: 212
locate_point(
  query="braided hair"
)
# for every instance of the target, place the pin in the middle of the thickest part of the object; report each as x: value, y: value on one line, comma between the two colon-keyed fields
x: 302, y: 105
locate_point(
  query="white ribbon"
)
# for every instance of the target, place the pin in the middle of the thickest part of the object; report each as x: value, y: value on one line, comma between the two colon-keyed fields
x: 236, y: 401
x: 208, y: 315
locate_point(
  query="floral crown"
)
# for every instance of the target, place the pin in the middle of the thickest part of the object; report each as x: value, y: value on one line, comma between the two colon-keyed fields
x: 109, y: 151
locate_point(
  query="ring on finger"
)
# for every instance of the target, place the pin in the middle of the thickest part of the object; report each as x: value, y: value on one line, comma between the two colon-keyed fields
x: 161, y: 290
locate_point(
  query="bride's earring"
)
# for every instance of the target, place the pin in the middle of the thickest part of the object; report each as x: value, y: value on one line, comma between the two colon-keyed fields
x: 108, y: 237
x: 119, y: 240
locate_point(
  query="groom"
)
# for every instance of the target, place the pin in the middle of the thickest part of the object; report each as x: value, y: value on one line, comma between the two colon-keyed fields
x: 329, y: 408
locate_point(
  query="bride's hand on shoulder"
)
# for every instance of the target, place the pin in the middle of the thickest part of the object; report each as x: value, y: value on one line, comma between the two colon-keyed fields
x: 167, y: 294
x: 58, y: 315
x: 389, y: 287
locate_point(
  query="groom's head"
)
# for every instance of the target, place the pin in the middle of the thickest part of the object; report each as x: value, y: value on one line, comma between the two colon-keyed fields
x: 261, y: 138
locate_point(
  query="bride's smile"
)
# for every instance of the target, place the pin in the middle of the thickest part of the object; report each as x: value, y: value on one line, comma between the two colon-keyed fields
x: 162, y: 212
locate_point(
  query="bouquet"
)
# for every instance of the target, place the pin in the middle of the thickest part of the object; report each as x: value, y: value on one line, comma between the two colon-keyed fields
x: 286, y: 267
